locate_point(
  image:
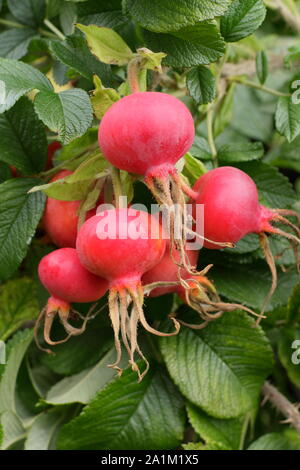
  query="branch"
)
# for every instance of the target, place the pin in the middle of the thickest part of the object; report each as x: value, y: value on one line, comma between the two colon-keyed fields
x: 282, y: 404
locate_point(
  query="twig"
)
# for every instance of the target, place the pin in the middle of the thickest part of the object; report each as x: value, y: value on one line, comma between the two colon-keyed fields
x: 282, y: 404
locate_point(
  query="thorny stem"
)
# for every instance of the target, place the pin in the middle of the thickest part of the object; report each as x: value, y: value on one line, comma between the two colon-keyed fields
x: 54, y: 29
x: 258, y: 86
x: 210, y: 114
x: 210, y: 136
x: 282, y: 404
x: 133, y: 75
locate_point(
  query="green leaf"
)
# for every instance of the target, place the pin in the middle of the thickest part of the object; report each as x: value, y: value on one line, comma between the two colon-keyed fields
x: 225, y: 432
x: 17, y: 79
x: 240, y: 152
x: 242, y: 18
x: 15, y: 41
x: 69, y: 112
x: 74, y: 187
x: 274, y: 188
x: 68, y: 17
x: 171, y: 15
x: 17, y: 304
x: 289, y: 353
x: 193, y: 168
x: 150, y: 60
x: 23, y: 141
x: 222, y: 367
x: 80, y: 352
x: 16, y: 349
x: 115, y: 417
x: 294, y: 305
x: 200, y: 446
x: 201, y: 85
x: 189, y: 46
x: 288, y: 118
x: 250, y: 284
x: 106, y: 44
x: 285, y: 440
x: 64, y: 191
x: 79, y: 146
x: 42, y: 434
x: 74, y: 53
x: 12, y: 428
x: 103, y: 98
x: 262, y: 68
x: 19, y: 215
x: 29, y: 12
x: 82, y: 387
x: 200, y: 149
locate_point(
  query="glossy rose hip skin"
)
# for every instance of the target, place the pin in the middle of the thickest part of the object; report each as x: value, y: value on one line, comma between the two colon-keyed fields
x: 232, y: 210
x: 147, y: 133
x: 105, y: 247
x: 67, y: 281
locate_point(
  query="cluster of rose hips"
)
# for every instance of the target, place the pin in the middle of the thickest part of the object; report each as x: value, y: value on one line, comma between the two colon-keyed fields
x: 145, y: 134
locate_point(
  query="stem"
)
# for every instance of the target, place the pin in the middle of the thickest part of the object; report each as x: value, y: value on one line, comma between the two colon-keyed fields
x: 54, y: 29
x: 46, y: 33
x: 210, y: 136
x: 13, y: 24
x: 258, y: 86
x: 117, y: 185
x: 282, y: 404
x: 133, y: 75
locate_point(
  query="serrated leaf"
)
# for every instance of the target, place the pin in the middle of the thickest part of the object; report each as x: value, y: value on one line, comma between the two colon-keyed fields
x: 115, y: 417
x: 82, y: 387
x: 74, y: 53
x: 274, y: 188
x: 103, y: 98
x: 171, y: 15
x: 17, y: 79
x: 285, y: 440
x: 19, y: 215
x: 18, y: 304
x: 242, y: 18
x: 189, y: 46
x: 79, y: 146
x: 14, y: 42
x: 201, y: 85
x: 249, y: 284
x: 106, y: 44
x: 29, y: 12
x: 227, y: 432
x: 222, y: 367
x: 288, y: 118
x: 262, y: 68
x: 240, y: 152
x: 289, y: 353
x: 23, y: 141
x: 69, y: 113
x: 43, y: 432
x: 80, y: 352
x: 16, y: 349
